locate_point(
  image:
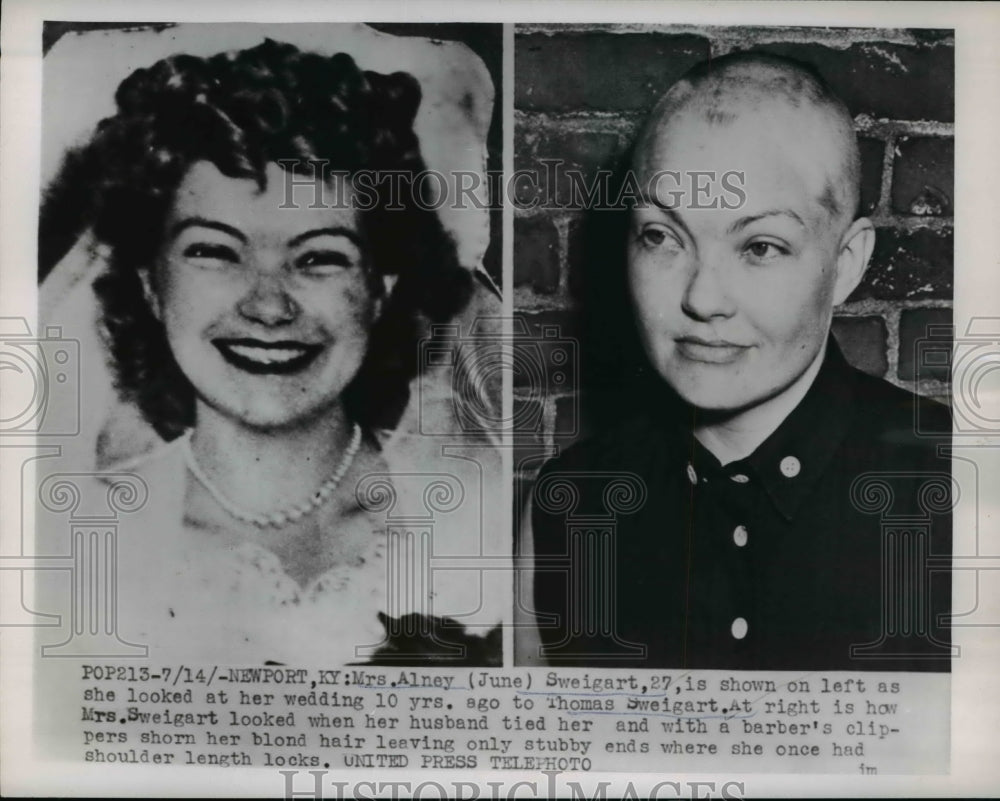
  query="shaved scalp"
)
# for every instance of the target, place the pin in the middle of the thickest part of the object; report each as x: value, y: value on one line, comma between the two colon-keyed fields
x: 721, y: 89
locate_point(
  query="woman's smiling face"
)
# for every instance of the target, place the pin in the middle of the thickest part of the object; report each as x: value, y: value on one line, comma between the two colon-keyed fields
x: 267, y: 309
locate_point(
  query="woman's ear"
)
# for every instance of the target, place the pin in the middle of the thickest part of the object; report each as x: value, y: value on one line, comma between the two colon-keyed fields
x: 855, y: 250
x: 149, y: 291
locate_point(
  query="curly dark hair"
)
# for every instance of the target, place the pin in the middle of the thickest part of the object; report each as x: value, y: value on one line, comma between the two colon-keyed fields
x: 243, y: 110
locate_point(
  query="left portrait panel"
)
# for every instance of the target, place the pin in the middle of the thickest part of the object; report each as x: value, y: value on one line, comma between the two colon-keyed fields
x: 270, y: 288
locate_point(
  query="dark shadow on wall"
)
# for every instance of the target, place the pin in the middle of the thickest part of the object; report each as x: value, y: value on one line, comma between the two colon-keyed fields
x: 617, y: 380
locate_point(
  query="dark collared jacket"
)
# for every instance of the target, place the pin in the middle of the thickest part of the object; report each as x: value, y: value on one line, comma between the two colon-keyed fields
x: 826, y: 549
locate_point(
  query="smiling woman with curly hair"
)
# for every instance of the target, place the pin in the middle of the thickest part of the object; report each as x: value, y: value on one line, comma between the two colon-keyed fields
x: 242, y: 112
x: 271, y: 267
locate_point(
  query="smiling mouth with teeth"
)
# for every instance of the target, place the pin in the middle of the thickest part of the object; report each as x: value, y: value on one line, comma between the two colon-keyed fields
x: 259, y: 357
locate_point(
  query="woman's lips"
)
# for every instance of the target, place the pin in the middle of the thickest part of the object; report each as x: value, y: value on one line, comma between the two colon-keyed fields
x: 267, y: 358
x: 709, y: 351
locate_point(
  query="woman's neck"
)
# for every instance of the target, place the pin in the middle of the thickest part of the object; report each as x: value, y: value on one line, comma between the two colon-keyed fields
x: 262, y: 470
x: 735, y: 437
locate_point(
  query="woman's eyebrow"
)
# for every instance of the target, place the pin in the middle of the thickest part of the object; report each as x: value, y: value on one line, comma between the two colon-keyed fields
x: 743, y: 222
x: 668, y: 210
x: 335, y: 230
x: 203, y: 222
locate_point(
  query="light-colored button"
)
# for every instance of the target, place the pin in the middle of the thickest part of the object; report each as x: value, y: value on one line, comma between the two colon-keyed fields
x: 739, y: 478
x: 790, y: 467
x: 739, y: 628
x: 692, y: 476
x: 740, y: 536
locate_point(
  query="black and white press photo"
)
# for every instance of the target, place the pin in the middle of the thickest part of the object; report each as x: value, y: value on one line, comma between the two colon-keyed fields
x: 760, y: 237
x: 507, y: 400
x: 239, y: 227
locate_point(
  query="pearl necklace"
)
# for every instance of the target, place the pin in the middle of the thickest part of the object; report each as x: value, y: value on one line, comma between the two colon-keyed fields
x: 283, y: 516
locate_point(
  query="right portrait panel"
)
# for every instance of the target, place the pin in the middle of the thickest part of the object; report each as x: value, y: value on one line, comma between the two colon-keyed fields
x: 740, y: 239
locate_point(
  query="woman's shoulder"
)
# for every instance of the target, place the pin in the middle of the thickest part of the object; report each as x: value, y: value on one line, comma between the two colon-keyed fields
x: 155, y: 459
x: 147, y: 491
x: 157, y: 475
x: 127, y: 494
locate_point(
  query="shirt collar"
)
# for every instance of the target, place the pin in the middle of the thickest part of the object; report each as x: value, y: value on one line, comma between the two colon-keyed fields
x: 789, y: 462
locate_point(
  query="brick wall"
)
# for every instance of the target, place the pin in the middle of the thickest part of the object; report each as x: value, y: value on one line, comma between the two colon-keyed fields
x: 582, y: 91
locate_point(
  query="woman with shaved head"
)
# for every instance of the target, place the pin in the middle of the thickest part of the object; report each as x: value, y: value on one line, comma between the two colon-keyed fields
x: 755, y: 545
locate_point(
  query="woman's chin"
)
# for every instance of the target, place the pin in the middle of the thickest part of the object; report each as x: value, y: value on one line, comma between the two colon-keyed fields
x: 276, y: 415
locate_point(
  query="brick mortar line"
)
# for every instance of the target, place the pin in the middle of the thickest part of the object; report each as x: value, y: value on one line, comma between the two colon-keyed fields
x: 625, y: 123
x: 891, y: 317
x: 553, y: 396
x: 931, y: 386
x: 562, y: 223
x: 833, y: 38
x: 744, y: 34
x: 591, y: 121
x: 549, y: 421
x: 884, y: 205
x: 927, y: 387
x: 883, y: 127
x: 913, y: 222
x: 871, y: 307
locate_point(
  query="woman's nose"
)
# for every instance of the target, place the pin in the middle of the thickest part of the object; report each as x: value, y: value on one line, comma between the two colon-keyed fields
x: 707, y: 295
x: 268, y: 302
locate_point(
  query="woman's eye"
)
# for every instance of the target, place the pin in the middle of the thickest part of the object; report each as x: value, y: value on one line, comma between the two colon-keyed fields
x: 211, y: 252
x: 317, y: 259
x: 653, y: 237
x: 764, y: 251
